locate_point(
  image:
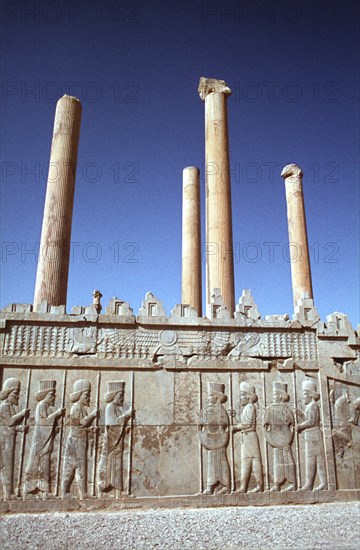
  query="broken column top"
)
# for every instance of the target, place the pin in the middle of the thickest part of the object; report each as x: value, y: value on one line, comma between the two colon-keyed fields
x: 70, y: 97
x: 212, y: 85
x: 291, y: 170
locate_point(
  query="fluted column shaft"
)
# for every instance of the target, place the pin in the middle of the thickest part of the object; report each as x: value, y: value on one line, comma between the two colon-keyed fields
x: 53, y: 267
x: 191, y: 240
x: 298, y: 240
x: 219, y: 241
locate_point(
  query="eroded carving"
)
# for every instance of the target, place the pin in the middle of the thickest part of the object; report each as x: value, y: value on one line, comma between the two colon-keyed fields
x: 110, y: 470
x: 38, y: 470
x: 249, y: 441
x: 279, y: 425
x: 214, y: 437
x: 314, y: 444
x: 9, y: 426
x: 76, y: 447
x: 97, y: 301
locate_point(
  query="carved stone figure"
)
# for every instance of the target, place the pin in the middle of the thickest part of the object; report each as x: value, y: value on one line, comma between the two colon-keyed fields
x: 110, y: 471
x: 214, y: 436
x: 38, y: 473
x: 97, y: 301
x: 279, y: 425
x: 250, y: 449
x: 355, y: 417
x: 314, y: 445
x: 76, y: 448
x: 10, y: 419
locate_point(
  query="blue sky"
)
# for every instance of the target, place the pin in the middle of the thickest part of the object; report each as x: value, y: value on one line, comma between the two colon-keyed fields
x: 135, y: 66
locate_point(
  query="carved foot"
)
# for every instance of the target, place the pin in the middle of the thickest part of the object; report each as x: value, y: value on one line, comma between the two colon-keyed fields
x: 224, y: 491
x: 207, y: 492
x: 241, y: 489
x: 275, y: 488
x: 257, y: 489
x: 321, y: 487
x: 306, y: 487
x: 289, y: 488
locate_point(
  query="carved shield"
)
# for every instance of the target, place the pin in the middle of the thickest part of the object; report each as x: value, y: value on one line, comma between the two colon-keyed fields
x: 279, y: 419
x: 214, y: 440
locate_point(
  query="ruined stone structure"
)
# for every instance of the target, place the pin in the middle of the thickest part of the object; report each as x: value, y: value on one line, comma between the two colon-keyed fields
x: 103, y: 408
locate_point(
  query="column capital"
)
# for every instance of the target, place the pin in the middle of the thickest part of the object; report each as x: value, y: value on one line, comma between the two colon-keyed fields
x: 212, y: 85
x: 292, y: 170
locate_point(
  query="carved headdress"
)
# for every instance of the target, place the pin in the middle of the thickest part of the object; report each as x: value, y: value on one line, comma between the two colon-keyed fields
x: 217, y: 389
x: 113, y: 389
x: 281, y: 387
x: 310, y: 386
x: 80, y: 387
x: 249, y: 389
x: 45, y: 386
x: 10, y: 385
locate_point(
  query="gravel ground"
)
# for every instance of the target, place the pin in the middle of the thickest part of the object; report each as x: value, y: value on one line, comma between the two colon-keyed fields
x: 330, y: 526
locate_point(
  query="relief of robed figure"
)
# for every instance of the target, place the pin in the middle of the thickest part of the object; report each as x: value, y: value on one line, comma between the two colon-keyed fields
x: 38, y: 470
x: 279, y: 425
x: 110, y: 468
x: 10, y: 419
x: 214, y: 437
x: 76, y: 448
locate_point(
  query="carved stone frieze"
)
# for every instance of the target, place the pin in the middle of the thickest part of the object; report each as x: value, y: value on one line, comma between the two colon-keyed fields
x: 114, y: 406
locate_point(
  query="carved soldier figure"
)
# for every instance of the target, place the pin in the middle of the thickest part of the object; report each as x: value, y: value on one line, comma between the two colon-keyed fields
x: 214, y: 436
x: 249, y: 450
x: 9, y: 426
x: 279, y: 425
x: 76, y: 448
x: 38, y: 472
x: 110, y: 472
x: 341, y: 432
x: 355, y: 417
x: 314, y: 445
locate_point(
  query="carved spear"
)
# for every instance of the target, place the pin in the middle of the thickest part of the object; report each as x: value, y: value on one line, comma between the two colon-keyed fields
x: 131, y: 433
x: 267, y: 486
x: 297, y: 451
x: 24, y: 434
x: 200, y: 447
x: 60, y: 436
x: 96, y: 435
x: 232, y: 459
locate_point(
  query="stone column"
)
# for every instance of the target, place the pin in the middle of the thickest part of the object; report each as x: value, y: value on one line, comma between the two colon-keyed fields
x: 219, y: 242
x: 298, y: 241
x: 53, y: 267
x: 191, y: 240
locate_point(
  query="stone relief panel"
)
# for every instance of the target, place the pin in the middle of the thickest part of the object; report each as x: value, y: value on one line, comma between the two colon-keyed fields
x: 111, y: 433
x: 345, y: 432
x: 29, y: 340
x: 157, y: 346
x: 165, y: 456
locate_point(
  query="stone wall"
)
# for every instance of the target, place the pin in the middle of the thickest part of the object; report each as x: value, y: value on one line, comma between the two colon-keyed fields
x: 123, y: 410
